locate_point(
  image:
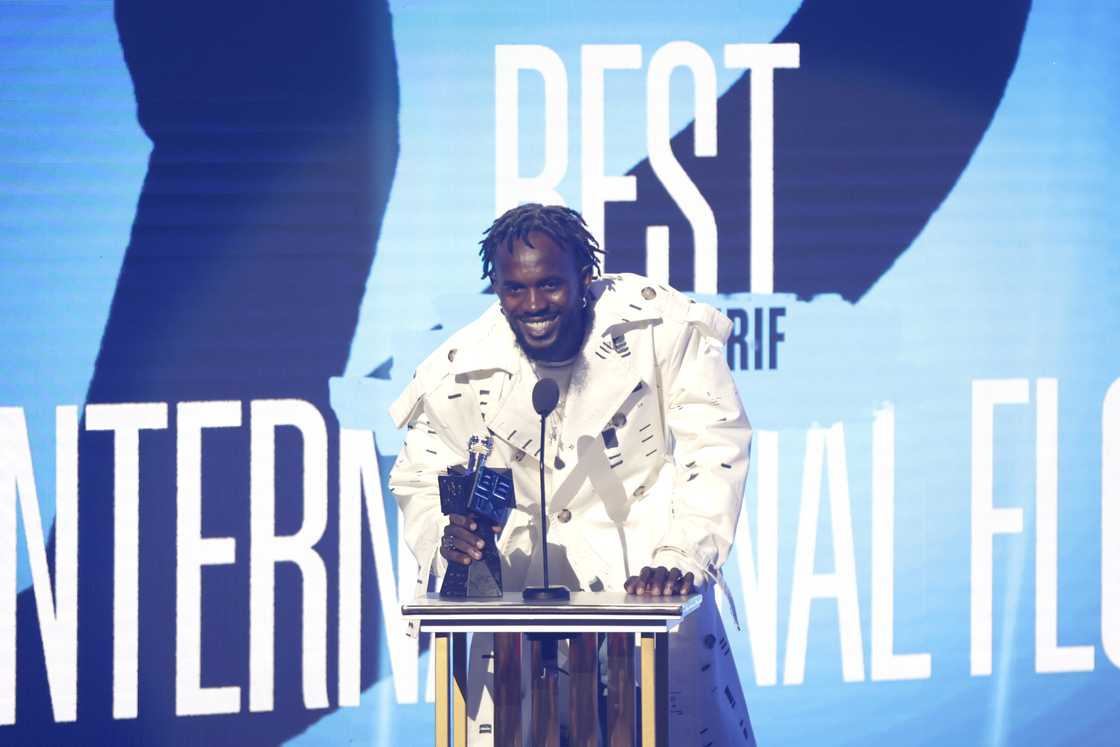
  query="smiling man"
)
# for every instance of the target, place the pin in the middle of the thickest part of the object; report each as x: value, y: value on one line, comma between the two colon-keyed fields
x: 645, y: 454
x: 543, y: 295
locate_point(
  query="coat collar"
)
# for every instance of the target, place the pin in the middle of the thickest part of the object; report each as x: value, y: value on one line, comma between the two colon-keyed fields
x: 617, y: 303
x: 605, y: 372
x: 493, y: 347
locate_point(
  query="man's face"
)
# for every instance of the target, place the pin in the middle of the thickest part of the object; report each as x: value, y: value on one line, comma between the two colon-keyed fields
x: 541, y: 294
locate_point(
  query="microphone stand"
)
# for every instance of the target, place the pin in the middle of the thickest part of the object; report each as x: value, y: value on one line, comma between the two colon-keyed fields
x: 544, y: 593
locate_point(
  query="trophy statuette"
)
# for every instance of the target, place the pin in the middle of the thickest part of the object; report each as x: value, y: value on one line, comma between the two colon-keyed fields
x: 486, y: 495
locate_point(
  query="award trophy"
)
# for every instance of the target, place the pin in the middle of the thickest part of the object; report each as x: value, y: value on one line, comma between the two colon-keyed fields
x: 486, y: 495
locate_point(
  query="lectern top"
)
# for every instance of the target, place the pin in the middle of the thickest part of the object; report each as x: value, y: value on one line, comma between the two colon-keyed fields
x: 587, y: 605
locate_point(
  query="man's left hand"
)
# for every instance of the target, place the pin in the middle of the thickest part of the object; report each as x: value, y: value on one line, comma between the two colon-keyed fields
x: 660, y: 581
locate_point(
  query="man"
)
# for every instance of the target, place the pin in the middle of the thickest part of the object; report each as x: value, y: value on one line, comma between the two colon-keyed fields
x: 645, y: 454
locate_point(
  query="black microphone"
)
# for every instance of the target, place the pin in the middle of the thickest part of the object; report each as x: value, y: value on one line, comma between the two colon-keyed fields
x: 546, y: 394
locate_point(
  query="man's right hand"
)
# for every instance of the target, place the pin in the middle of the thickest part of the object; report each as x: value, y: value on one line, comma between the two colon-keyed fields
x: 460, y: 544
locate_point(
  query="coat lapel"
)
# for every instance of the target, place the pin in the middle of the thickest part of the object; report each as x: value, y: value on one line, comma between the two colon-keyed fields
x: 605, y: 372
x: 512, y: 418
x: 601, y: 381
x: 515, y: 421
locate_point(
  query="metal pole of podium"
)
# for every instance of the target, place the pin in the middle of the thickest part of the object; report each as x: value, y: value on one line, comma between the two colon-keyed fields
x: 442, y: 644
x: 459, y: 689
x: 655, y: 689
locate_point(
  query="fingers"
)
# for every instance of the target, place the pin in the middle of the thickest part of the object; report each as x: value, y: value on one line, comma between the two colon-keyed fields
x: 648, y: 581
x: 470, y: 539
x: 672, y: 582
x: 447, y: 550
x: 637, y: 584
x: 468, y: 523
x: 464, y: 527
x: 660, y: 581
x: 457, y: 550
x: 657, y: 581
x: 462, y: 521
x: 463, y: 541
x: 460, y: 544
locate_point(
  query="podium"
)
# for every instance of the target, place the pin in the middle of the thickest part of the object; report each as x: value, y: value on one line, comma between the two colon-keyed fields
x: 581, y: 619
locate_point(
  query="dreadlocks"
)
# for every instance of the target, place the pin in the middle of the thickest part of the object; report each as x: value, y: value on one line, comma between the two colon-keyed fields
x: 563, y: 225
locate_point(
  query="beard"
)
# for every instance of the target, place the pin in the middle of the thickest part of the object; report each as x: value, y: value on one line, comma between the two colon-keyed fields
x: 558, y: 342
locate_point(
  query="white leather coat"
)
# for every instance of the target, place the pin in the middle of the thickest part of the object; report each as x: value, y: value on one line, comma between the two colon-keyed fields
x: 649, y: 466
x: 655, y: 440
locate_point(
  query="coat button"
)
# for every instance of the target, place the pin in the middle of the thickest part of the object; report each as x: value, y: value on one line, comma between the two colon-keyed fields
x: 451, y: 354
x: 639, y: 491
x: 564, y: 516
x: 618, y: 420
x: 649, y: 293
